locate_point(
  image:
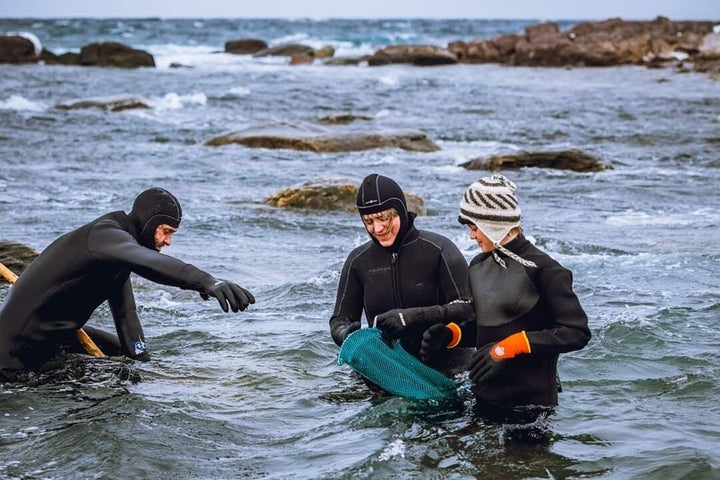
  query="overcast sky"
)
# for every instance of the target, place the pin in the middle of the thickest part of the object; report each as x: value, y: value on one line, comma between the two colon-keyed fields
x: 524, y: 9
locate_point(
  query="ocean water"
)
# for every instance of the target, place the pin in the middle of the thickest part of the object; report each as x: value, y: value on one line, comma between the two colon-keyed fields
x: 259, y: 394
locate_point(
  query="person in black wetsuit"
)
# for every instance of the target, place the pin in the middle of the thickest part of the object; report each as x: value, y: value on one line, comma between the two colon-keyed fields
x: 526, y: 312
x: 61, y: 288
x: 403, y: 279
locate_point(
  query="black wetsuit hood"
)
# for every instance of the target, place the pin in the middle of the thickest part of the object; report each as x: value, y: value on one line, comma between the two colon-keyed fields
x: 377, y: 193
x: 152, y: 208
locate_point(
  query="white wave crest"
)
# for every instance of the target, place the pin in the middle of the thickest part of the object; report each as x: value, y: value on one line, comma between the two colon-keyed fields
x: 19, y: 103
x: 173, y: 101
x: 636, y: 218
x: 394, y: 449
x: 240, y: 91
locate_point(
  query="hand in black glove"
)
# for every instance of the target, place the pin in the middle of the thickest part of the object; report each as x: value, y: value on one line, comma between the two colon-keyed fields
x: 228, y: 293
x: 434, y: 339
x: 483, y: 366
x: 392, y: 323
x: 345, y: 331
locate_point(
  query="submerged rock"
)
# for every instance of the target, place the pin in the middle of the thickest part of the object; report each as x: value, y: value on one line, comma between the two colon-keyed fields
x: 15, y: 256
x: 420, y: 55
x: 109, y: 104
x: 574, y: 160
x: 330, y: 196
x: 286, y: 50
x: 323, y: 141
x: 343, y: 119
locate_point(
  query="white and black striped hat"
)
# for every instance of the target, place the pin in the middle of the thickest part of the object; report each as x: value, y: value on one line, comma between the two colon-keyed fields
x: 491, y: 205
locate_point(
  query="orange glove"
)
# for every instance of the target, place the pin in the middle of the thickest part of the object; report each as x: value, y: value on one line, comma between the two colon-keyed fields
x: 487, y: 362
x: 511, y: 346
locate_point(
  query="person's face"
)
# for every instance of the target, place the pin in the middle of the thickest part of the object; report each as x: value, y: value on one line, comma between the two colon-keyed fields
x: 163, y: 236
x: 383, y: 226
x: 486, y: 245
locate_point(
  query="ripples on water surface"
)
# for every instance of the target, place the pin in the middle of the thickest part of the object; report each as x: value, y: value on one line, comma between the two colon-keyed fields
x: 259, y: 395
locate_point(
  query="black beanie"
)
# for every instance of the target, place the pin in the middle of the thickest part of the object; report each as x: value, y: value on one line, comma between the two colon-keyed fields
x: 152, y: 208
x: 377, y: 193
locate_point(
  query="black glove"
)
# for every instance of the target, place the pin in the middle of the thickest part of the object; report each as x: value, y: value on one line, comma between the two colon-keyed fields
x: 483, y: 366
x: 394, y: 322
x: 434, y: 339
x: 343, y: 331
x: 227, y: 293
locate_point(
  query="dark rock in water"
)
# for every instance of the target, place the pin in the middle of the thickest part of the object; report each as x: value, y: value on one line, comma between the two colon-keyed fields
x: 343, y: 119
x: 342, y: 61
x: 17, y: 49
x: 245, y: 46
x: 301, y: 59
x: 15, y: 256
x: 574, y: 160
x: 287, y: 50
x: 325, y: 141
x: 330, y: 195
x: 114, y: 54
x: 114, y: 104
x: 420, y: 55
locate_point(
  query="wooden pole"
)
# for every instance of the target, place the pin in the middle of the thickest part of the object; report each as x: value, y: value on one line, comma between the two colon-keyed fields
x: 83, y: 337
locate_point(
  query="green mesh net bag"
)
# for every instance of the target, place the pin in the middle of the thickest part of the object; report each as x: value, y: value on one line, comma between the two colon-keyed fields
x: 393, y: 369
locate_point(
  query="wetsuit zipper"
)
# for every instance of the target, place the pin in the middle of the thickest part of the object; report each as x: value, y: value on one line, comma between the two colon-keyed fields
x: 396, y: 279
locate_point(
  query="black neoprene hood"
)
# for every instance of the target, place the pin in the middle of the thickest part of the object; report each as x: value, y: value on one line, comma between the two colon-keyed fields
x: 378, y: 193
x: 152, y: 208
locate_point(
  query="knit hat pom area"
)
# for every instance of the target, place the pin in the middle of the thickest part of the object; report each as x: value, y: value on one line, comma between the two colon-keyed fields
x: 491, y: 205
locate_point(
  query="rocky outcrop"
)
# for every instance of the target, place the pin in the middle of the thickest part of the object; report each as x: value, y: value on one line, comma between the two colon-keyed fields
x: 574, y: 160
x: 287, y: 50
x: 15, y: 256
x: 330, y: 195
x: 114, y: 54
x: 324, y: 141
x: 420, y: 55
x: 610, y: 42
x: 245, y: 46
x: 109, y: 104
x: 17, y: 49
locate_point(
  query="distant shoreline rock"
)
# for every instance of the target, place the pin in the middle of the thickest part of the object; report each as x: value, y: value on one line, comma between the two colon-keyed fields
x: 655, y: 43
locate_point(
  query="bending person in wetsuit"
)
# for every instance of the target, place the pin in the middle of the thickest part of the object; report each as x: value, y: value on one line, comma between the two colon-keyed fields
x: 406, y: 279
x: 526, y: 311
x: 61, y: 288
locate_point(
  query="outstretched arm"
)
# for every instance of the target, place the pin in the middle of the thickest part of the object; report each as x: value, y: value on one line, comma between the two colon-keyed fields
x: 118, y: 245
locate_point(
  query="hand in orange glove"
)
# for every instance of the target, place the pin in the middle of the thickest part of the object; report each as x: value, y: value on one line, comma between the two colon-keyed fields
x: 488, y: 361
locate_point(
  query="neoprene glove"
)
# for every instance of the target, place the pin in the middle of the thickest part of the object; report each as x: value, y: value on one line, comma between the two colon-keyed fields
x: 394, y: 322
x: 489, y: 360
x: 344, y: 331
x: 227, y: 294
x: 439, y: 337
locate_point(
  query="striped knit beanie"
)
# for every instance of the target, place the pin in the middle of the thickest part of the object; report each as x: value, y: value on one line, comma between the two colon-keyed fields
x: 491, y: 205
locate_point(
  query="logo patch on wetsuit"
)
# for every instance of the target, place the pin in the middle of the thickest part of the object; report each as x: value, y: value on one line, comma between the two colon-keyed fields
x: 139, y: 347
